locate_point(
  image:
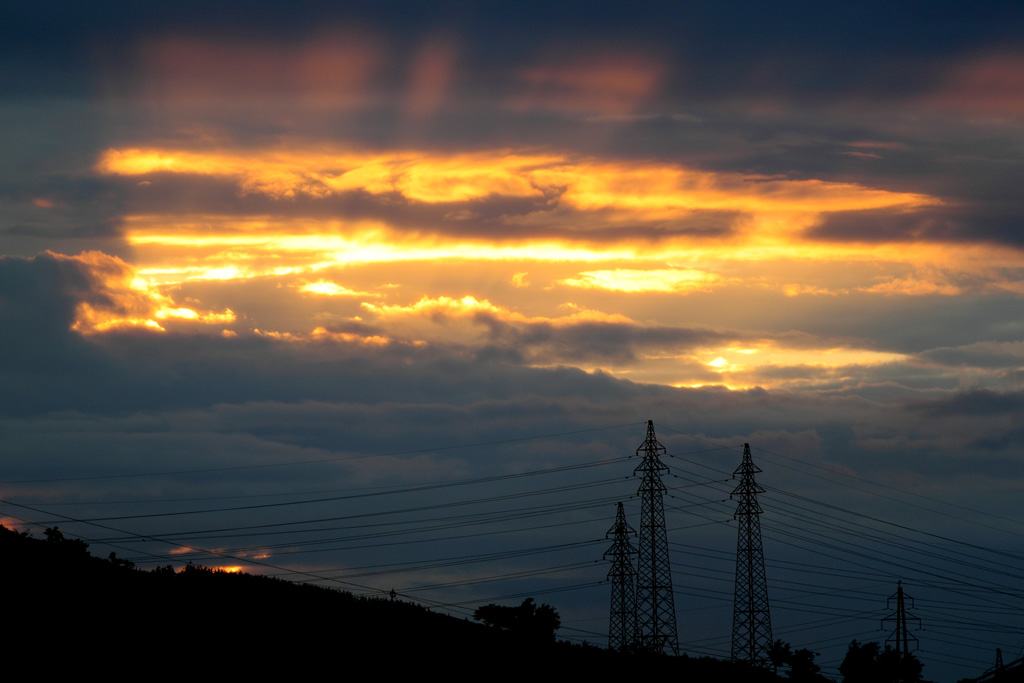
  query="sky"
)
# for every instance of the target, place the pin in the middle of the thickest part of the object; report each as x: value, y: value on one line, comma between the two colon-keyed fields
x: 383, y: 297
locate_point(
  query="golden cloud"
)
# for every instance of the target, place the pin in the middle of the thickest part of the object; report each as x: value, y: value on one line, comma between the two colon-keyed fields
x: 653, y: 189
x: 679, y: 281
x: 328, y: 288
x: 586, y: 205
x: 469, y: 306
x: 126, y: 300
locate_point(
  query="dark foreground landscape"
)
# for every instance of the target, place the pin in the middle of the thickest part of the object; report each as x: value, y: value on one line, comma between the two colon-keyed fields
x: 72, y: 612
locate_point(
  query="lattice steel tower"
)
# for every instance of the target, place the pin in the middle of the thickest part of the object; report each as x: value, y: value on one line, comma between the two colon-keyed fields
x: 622, y: 620
x: 901, y: 634
x: 751, y: 620
x: 655, y: 603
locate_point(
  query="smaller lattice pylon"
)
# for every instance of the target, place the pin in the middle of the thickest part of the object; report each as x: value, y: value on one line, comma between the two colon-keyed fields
x: 901, y: 634
x: 622, y: 574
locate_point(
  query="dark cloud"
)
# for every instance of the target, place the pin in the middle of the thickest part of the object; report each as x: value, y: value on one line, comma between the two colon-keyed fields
x: 797, y: 46
x: 38, y: 300
x: 972, y: 402
x: 592, y: 341
x: 938, y: 224
x: 981, y: 356
x: 908, y: 324
x: 1007, y: 441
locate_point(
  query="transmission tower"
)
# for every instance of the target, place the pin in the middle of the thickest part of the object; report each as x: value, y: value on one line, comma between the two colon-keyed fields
x: 751, y: 620
x: 655, y: 603
x: 622, y: 619
x: 900, y: 635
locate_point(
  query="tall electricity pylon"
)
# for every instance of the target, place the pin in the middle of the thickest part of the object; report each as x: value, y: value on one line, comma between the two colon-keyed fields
x: 655, y: 603
x: 751, y: 620
x: 622, y: 620
x: 900, y: 635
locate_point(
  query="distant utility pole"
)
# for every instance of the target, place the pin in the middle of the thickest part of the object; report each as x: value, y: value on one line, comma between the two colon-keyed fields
x: 751, y: 620
x: 900, y: 634
x: 655, y: 602
x: 622, y: 620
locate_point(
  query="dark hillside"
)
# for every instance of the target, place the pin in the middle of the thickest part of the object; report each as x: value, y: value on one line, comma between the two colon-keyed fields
x: 74, y: 611
x: 61, y: 599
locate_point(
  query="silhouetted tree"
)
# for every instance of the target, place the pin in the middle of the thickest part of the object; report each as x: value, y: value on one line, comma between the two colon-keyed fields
x: 860, y: 663
x: 779, y: 654
x: 897, y: 667
x: 803, y: 669
x: 800, y: 663
x: 868, y: 663
x: 120, y: 562
x: 528, y: 621
x: 66, y: 545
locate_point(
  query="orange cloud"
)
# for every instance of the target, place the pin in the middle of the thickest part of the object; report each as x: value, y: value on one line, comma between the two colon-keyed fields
x: 680, y: 281
x: 431, y: 74
x: 993, y: 84
x: 187, y: 248
x: 369, y: 340
x: 469, y: 306
x: 323, y: 334
x: 177, y: 250
x: 665, y: 190
x: 569, y: 191
x: 332, y: 69
x: 284, y: 174
x: 796, y: 289
x: 614, y: 84
x: 327, y: 288
x: 915, y: 286
x: 125, y: 300
x: 591, y: 209
x: 757, y: 363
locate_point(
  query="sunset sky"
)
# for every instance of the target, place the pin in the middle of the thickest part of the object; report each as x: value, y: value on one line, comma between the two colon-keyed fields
x: 395, y: 257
